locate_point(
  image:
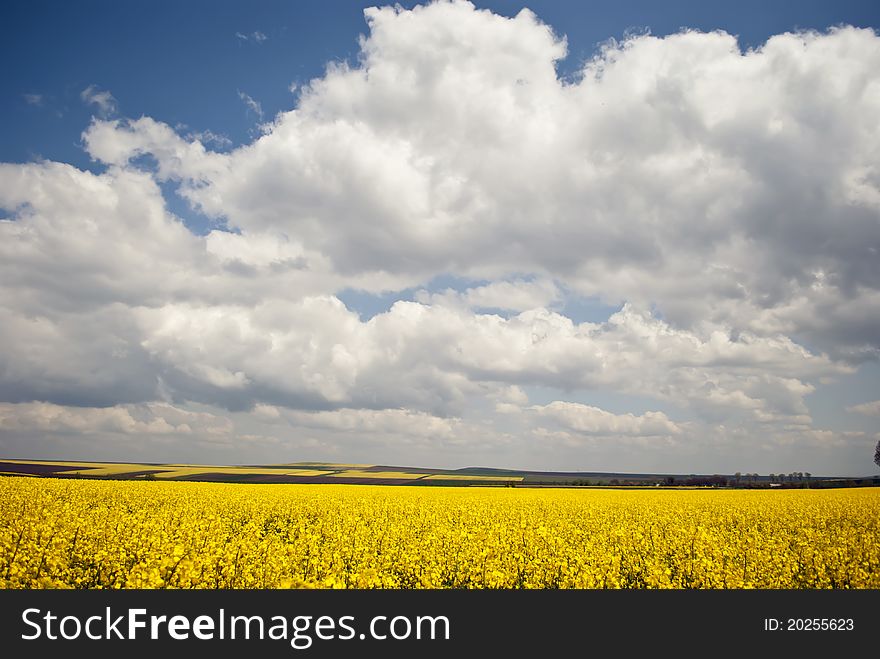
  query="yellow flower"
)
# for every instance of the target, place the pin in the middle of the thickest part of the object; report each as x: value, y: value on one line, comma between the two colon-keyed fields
x: 58, y: 533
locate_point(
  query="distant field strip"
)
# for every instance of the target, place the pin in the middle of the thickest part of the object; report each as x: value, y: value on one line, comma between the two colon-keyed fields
x: 333, y: 465
x: 356, y: 473
x: 195, y: 471
x: 456, y: 477
x: 164, y: 471
x: 114, y: 470
x: 79, y: 465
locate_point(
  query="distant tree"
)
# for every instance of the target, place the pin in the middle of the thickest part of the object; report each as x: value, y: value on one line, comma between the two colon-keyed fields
x: 877, y: 454
x: 737, y: 475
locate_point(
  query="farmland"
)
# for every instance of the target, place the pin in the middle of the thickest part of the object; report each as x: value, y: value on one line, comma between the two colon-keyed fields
x: 368, y: 474
x: 298, y: 472
x: 85, y: 533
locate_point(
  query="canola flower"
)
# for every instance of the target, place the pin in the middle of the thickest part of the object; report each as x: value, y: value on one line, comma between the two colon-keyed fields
x: 57, y: 533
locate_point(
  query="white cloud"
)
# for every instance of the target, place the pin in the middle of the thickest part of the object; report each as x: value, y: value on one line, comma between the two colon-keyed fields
x: 436, y: 358
x: 590, y: 420
x: 103, y: 100
x: 516, y: 295
x: 399, y: 422
x: 34, y: 99
x: 118, y: 141
x: 211, y: 138
x: 256, y: 36
x: 662, y: 177
x: 131, y: 303
x: 870, y: 409
x: 149, y: 419
x: 252, y: 105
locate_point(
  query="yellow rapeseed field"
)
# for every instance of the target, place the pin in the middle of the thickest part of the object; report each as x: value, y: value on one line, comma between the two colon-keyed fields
x: 58, y: 533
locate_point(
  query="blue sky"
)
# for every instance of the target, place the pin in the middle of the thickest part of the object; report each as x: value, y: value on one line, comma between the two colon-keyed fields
x: 235, y: 231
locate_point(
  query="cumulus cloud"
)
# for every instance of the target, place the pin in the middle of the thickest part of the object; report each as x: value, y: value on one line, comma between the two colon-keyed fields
x: 590, y: 420
x: 726, y: 202
x: 102, y: 100
x: 149, y: 419
x: 869, y: 409
x: 314, y: 353
x: 211, y: 138
x: 516, y: 295
x: 677, y: 171
x: 400, y: 422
